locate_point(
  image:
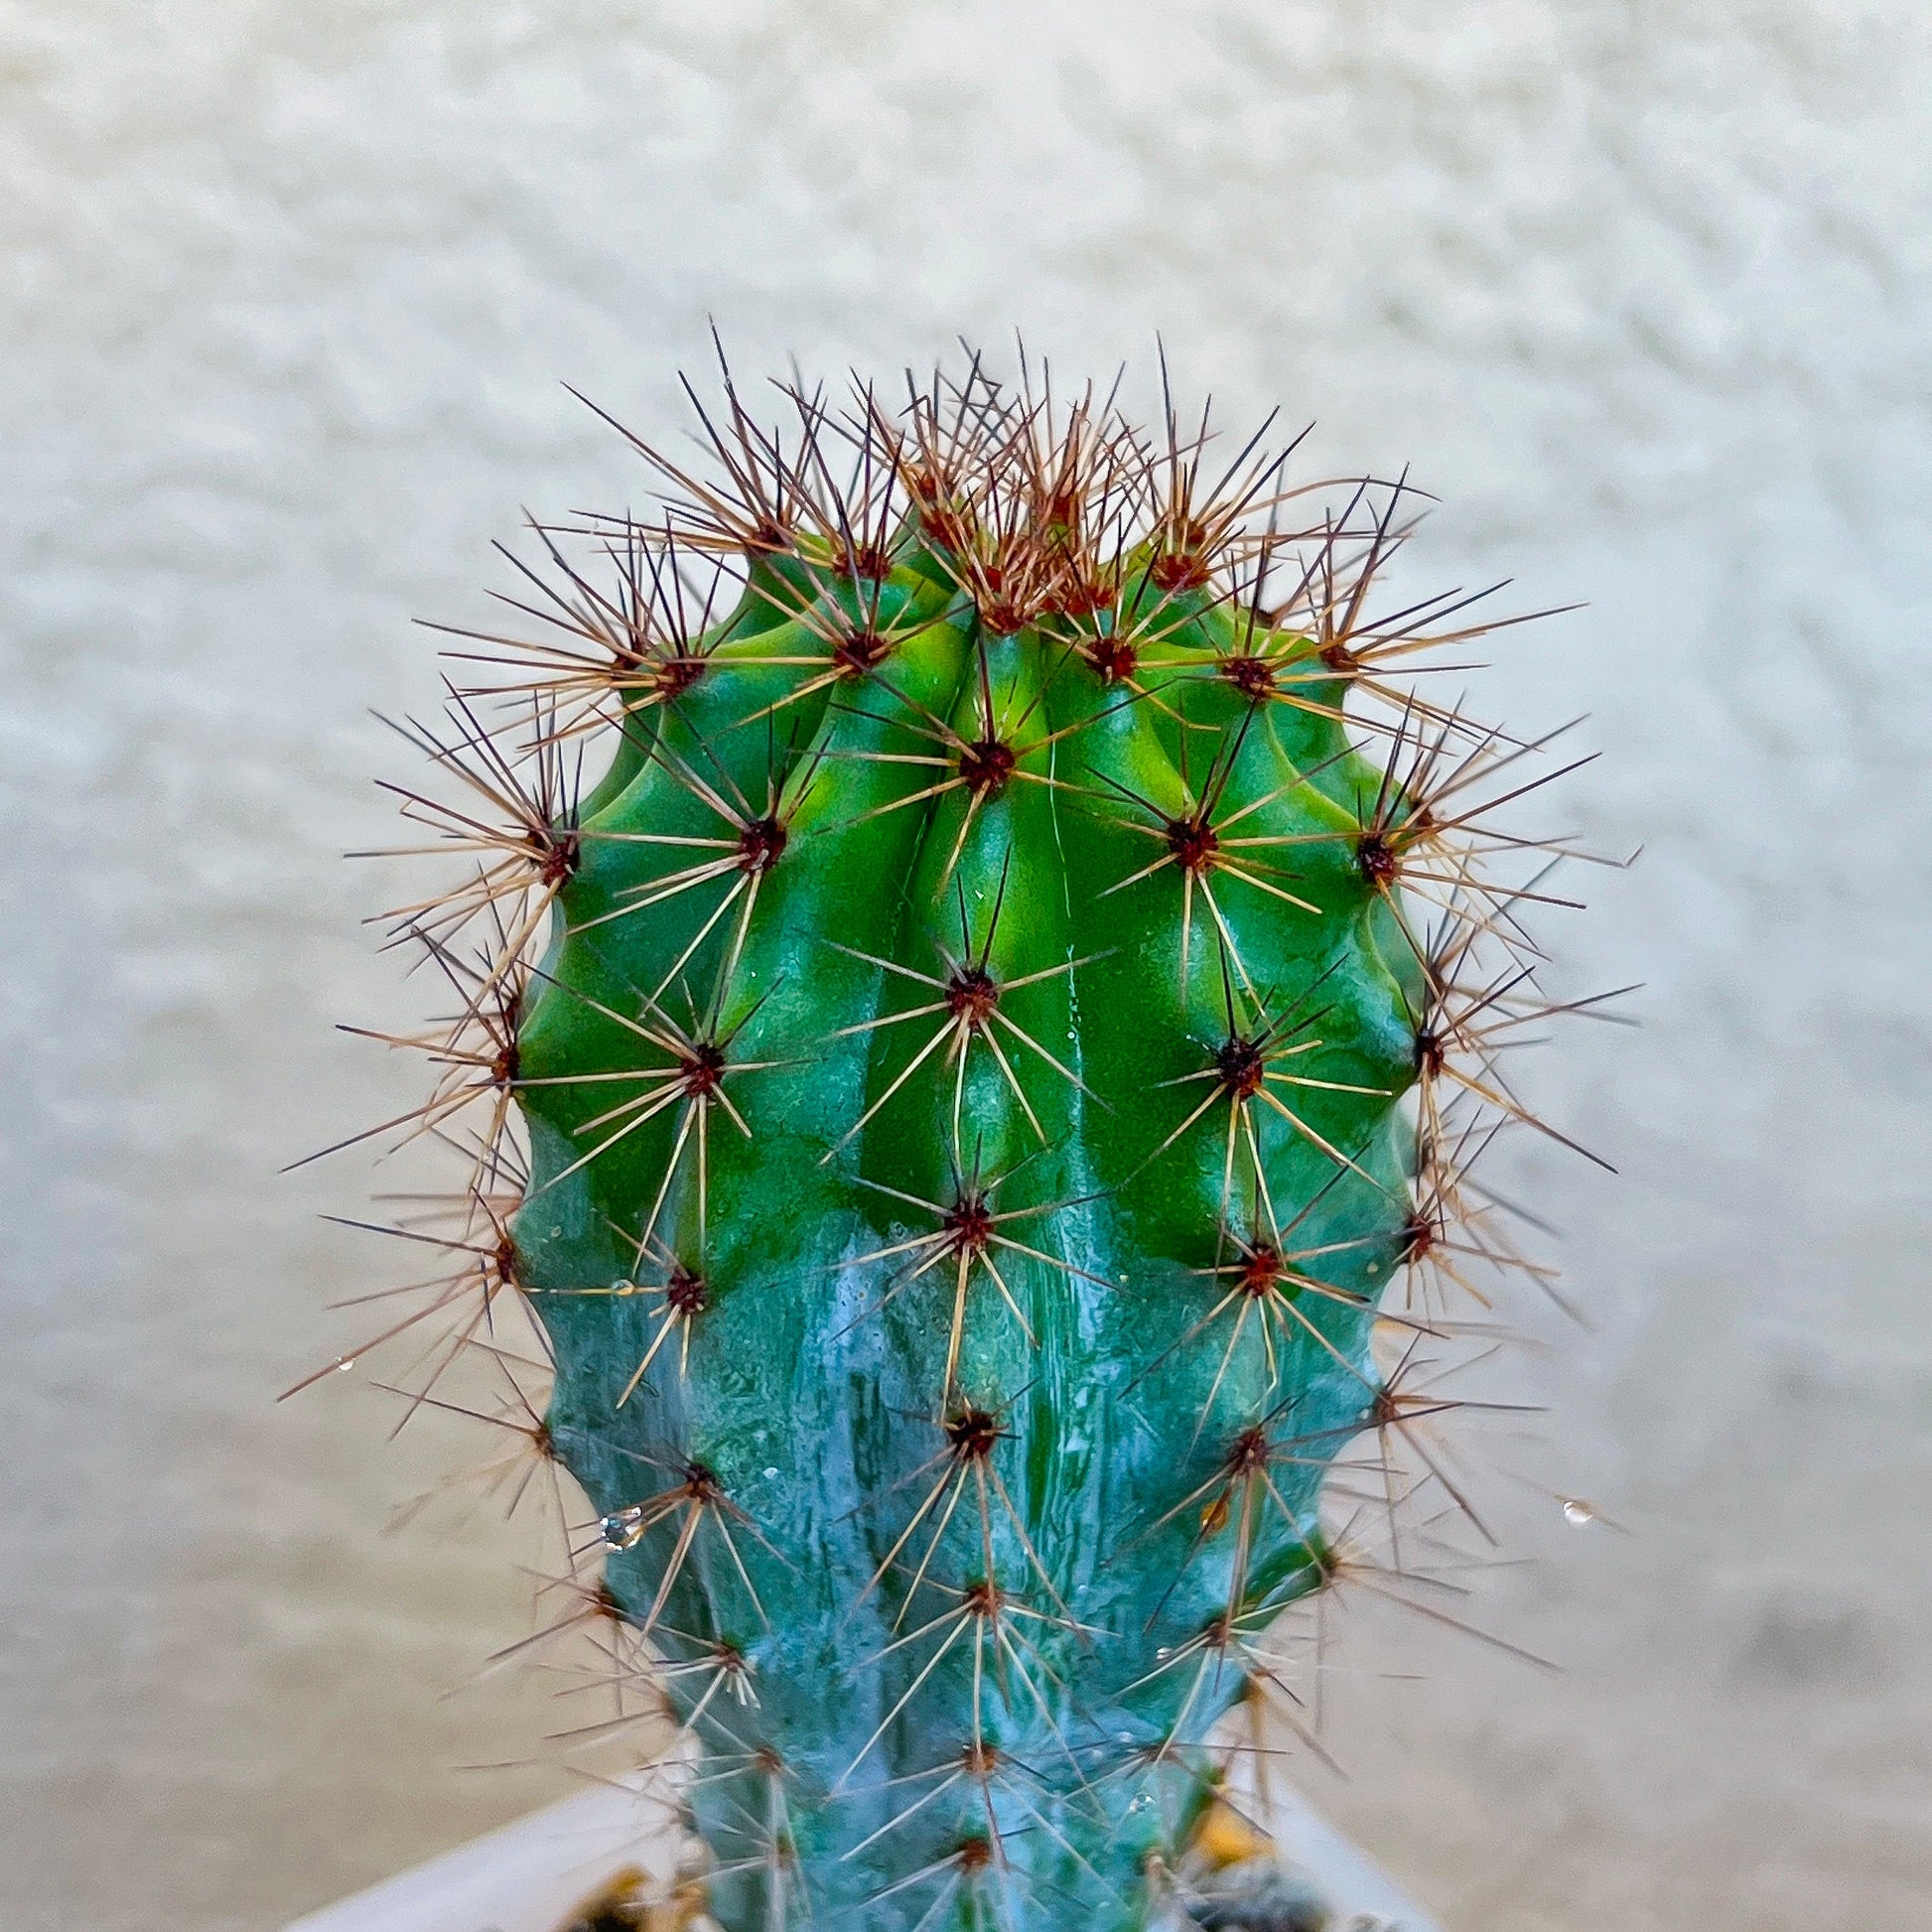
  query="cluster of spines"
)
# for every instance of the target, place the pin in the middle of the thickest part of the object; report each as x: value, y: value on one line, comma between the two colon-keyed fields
x: 1189, y: 588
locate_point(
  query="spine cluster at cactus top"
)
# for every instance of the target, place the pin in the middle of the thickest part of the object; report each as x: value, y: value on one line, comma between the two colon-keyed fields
x: 982, y: 974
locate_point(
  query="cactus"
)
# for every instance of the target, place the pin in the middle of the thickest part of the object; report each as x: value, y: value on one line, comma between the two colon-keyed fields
x: 1028, y: 981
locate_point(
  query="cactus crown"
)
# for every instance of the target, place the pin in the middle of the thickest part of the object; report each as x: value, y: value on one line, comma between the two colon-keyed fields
x: 955, y: 1092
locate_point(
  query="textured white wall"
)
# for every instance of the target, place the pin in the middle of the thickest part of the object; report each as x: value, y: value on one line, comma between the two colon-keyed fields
x: 1640, y: 288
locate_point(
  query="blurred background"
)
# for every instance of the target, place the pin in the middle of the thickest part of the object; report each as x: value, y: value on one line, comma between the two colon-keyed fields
x: 1639, y: 288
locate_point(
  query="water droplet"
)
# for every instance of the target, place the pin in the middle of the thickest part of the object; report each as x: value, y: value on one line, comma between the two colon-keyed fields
x: 1162, y: 1654
x: 623, y: 1285
x: 1577, y: 1511
x: 343, y: 1363
x: 770, y: 1476
x: 1142, y: 1803
x: 624, y: 1529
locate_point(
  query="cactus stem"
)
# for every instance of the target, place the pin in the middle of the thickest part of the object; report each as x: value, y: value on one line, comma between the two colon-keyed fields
x: 968, y: 1232
x: 1165, y: 1383
x: 971, y: 1437
x: 969, y: 1001
x: 696, y: 1499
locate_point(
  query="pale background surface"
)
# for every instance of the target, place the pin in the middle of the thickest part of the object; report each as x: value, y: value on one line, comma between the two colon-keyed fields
x: 1640, y: 288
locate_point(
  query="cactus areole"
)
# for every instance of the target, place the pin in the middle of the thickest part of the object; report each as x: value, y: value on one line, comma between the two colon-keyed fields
x: 986, y: 984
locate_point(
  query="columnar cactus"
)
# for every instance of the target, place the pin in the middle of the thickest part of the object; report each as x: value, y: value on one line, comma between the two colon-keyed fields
x: 1023, y: 987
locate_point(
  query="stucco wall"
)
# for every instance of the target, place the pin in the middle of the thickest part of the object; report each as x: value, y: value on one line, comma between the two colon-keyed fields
x: 1639, y: 288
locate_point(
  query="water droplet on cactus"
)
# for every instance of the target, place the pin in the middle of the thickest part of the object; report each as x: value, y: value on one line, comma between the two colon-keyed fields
x: 624, y: 1529
x: 343, y: 1363
x: 1578, y: 1512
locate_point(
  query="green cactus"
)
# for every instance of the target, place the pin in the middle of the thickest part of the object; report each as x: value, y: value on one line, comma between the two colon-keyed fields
x: 1024, y: 986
